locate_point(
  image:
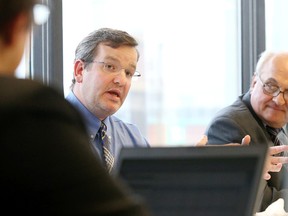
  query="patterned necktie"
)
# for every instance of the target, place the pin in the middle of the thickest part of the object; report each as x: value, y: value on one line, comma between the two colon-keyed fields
x: 108, y: 157
x: 274, y: 137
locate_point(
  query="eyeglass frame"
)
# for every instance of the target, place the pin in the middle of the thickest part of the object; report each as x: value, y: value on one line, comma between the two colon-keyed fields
x: 274, y: 94
x: 136, y: 73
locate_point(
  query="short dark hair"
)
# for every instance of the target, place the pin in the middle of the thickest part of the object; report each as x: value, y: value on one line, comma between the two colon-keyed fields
x: 87, y: 48
x: 9, y: 10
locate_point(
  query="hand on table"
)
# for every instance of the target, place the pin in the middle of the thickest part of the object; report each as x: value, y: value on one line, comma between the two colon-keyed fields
x: 204, y: 140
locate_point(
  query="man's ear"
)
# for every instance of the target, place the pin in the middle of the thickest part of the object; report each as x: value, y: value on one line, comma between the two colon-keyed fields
x: 19, y: 26
x: 253, y: 82
x: 78, y: 70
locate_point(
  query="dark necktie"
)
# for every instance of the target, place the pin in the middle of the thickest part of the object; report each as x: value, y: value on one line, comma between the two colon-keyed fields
x: 108, y: 157
x: 274, y: 137
x: 273, y: 134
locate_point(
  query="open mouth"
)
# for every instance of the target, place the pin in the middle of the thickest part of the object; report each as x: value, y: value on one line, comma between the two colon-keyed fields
x: 114, y: 92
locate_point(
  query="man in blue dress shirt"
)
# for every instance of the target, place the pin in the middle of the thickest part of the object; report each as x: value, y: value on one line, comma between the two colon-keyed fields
x: 105, y: 62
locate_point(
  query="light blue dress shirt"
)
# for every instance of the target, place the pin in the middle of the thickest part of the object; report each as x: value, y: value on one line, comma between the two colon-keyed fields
x: 121, y: 134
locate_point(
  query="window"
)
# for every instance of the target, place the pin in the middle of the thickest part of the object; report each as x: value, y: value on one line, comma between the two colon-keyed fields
x: 276, y: 24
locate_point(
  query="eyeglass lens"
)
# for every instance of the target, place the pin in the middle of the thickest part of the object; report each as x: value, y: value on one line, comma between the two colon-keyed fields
x: 275, y: 91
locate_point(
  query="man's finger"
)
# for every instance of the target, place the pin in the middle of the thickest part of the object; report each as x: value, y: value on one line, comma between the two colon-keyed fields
x: 279, y: 159
x: 275, y: 167
x: 246, y: 140
x: 266, y: 176
x: 203, y: 141
x: 278, y: 149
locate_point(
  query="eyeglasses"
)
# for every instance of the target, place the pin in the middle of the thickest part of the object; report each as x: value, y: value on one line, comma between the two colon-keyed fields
x: 114, y: 67
x: 40, y: 14
x: 272, y: 89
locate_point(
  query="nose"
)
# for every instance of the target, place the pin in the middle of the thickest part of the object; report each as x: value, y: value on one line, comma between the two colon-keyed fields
x: 120, y: 78
x: 279, y: 99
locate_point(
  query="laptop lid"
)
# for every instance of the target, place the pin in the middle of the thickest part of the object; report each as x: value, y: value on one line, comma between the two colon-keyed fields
x: 199, y: 181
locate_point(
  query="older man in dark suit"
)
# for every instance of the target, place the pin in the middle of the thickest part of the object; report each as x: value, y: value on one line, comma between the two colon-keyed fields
x: 261, y: 113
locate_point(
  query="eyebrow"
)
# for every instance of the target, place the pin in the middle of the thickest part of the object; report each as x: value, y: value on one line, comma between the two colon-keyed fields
x: 271, y: 79
x: 116, y: 60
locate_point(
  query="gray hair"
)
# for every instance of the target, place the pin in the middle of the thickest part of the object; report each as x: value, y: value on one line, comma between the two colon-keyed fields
x: 266, y: 58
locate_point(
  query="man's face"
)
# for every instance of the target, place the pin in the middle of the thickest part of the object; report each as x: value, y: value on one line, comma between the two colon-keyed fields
x: 272, y: 110
x: 101, y: 91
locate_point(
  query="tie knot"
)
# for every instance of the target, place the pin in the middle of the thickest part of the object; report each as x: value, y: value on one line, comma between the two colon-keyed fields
x: 273, y: 131
x: 103, y: 130
x: 103, y: 126
x: 274, y: 137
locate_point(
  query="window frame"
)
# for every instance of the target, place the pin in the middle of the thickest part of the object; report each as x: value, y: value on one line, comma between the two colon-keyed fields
x: 252, y: 38
x: 46, y: 63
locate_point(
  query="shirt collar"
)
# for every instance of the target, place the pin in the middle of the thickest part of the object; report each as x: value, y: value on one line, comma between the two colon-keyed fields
x: 91, y: 121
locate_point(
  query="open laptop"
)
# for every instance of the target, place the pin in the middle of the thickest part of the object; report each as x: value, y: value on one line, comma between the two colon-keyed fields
x: 198, y: 181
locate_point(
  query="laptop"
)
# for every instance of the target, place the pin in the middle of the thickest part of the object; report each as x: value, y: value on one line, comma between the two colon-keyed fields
x: 198, y: 181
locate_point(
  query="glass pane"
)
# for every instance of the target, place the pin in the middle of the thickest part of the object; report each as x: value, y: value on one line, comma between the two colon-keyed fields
x: 189, y: 60
x: 23, y: 68
x: 276, y: 24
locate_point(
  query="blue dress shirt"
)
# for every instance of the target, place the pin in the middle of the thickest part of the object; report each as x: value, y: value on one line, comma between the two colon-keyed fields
x: 120, y: 134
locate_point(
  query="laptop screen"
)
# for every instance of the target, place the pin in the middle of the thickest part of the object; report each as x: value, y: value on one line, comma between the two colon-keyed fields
x: 200, y: 181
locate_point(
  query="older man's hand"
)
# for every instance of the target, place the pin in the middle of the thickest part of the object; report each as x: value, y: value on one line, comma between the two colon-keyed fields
x: 274, y: 163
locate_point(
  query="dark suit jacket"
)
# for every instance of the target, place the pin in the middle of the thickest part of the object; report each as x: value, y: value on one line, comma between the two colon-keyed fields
x: 47, y: 165
x: 230, y: 125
